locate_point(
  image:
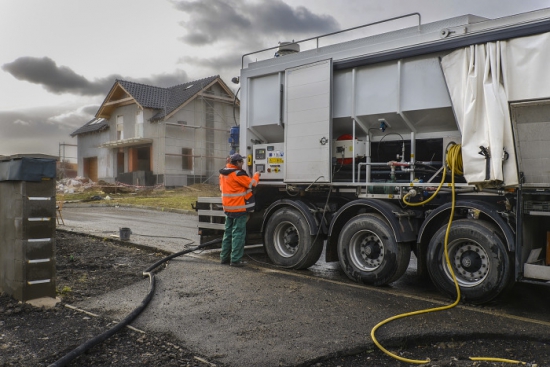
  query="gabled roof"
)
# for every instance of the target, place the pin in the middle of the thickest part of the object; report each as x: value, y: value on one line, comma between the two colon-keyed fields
x: 95, y: 125
x: 146, y: 96
x: 180, y: 94
x: 165, y: 100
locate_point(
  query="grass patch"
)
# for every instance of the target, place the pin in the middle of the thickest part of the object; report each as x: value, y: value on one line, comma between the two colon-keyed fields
x: 64, y: 291
x: 179, y: 198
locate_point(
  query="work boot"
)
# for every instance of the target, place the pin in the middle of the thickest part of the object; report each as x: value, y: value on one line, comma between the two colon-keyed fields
x: 224, y: 261
x: 239, y: 263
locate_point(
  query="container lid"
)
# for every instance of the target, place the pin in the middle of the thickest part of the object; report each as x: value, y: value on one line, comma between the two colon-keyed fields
x: 18, y: 168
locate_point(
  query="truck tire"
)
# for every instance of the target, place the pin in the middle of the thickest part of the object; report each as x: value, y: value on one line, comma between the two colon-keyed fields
x: 479, y: 258
x: 288, y: 241
x: 369, y: 253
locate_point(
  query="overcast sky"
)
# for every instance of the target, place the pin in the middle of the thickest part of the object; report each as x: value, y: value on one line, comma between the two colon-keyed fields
x: 59, y: 58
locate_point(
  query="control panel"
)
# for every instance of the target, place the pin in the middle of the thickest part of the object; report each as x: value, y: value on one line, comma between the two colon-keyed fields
x: 269, y: 159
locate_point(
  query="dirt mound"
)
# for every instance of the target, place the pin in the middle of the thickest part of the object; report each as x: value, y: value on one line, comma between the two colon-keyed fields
x: 86, y: 267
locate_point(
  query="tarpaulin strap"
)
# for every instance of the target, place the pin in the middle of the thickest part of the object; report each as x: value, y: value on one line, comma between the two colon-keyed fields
x: 487, y: 154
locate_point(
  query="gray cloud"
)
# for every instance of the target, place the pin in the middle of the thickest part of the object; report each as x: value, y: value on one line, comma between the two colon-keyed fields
x: 212, y: 20
x: 41, y: 129
x: 236, y: 27
x: 232, y: 20
x: 90, y: 110
x: 55, y: 79
x: 218, y: 64
x: 164, y: 80
x: 60, y: 79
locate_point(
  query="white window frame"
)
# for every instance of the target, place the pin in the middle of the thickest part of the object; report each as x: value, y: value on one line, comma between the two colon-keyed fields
x: 119, y: 127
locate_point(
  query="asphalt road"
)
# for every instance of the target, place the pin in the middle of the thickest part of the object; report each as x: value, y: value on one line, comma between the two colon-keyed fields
x: 163, y: 230
x: 241, y: 316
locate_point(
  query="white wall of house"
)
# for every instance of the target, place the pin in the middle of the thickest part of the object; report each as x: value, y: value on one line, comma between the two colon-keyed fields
x: 128, y: 114
x: 88, y: 147
x: 205, y: 125
x: 155, y: 131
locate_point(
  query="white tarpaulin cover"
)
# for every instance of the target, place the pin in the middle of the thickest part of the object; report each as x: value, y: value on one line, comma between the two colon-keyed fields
x: 474, y: 76
x: 482, y: 80
x: 527, y: 60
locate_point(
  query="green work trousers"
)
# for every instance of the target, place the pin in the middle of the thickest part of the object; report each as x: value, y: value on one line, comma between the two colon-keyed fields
x: 234, y: 238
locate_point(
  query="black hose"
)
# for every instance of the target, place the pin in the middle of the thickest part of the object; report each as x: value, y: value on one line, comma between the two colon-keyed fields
x: 107, y: 334
x: 63, y: 361
x: 170, y: 257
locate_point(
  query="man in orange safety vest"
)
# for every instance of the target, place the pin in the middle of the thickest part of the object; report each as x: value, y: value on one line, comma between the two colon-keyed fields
x: 237, y: 199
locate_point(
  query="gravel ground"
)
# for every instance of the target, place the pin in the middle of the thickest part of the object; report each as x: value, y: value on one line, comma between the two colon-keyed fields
x: 88, y: 267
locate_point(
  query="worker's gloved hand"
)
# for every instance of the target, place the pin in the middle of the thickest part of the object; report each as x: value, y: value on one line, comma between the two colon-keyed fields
x: 258, y: 173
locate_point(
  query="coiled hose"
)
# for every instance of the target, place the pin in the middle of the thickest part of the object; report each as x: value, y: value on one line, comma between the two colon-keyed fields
x: 67, y: 358
x: 454, y: 161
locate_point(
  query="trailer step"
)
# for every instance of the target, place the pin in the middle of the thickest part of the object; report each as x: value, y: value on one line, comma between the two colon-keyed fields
x: 533, y: 271
x: 219, y: 226
x: 210, y: 200
x: 213, y: 213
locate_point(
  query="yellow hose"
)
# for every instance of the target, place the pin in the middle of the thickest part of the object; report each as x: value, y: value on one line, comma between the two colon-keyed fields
x: 431, y: 197
x: 454, y: 156
x: 454, y: 161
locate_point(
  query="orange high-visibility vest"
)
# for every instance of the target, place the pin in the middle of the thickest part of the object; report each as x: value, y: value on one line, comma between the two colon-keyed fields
x: 236, y: 187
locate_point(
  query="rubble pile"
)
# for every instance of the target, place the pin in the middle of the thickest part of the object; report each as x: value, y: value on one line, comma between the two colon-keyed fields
x: 76, y: 184
x: 81, y: 184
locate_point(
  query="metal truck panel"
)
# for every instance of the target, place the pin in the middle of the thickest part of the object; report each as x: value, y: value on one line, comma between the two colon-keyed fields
x: 342, y: 85
x: 424, y: 76
x: 384, y: 91
x: 376, y: 88
x: 265, y: 100
x: 307, y: 123
x: 531, y: 123
x: 526, y: 59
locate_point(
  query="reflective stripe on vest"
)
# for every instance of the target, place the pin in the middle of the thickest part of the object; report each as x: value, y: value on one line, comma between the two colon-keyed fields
x: 238, y: 207
x: 237, y: 194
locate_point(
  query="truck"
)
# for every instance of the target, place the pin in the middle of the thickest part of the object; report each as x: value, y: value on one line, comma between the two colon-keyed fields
x: 366, y: 146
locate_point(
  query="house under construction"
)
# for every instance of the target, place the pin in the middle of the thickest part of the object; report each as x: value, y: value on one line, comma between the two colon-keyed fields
x: 144, y: 135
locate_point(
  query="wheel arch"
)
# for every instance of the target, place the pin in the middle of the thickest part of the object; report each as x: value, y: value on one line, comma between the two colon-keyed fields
x: 440, y: 216
x: 480, y: 260
x: 296, y: 204
x: 402, y: 222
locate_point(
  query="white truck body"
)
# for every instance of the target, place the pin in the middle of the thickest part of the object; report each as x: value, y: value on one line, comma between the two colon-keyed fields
x: 343, y: 133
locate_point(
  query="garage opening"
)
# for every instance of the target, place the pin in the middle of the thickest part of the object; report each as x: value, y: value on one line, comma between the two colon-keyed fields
x: 90, y: 168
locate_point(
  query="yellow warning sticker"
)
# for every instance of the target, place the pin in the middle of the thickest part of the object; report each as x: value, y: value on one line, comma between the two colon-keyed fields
x: 275, y: 160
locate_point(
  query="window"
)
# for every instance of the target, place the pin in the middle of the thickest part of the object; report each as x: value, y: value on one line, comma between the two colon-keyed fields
x: 139, y: 124
x: 96, y: 121
x: 119, y: 127
x: 187, y: 158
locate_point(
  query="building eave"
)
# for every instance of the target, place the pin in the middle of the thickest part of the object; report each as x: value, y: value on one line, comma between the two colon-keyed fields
x: 126, y: 143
